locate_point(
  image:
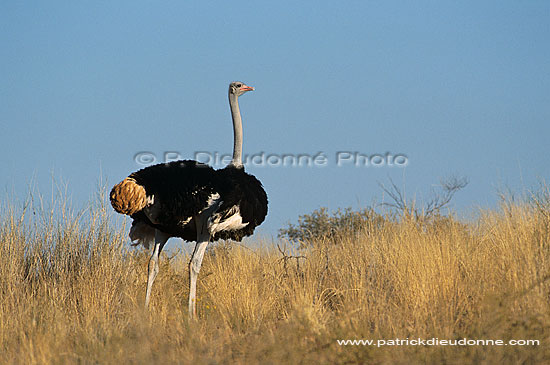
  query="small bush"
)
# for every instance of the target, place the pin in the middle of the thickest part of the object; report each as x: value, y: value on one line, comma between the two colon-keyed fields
x: 322, y: 225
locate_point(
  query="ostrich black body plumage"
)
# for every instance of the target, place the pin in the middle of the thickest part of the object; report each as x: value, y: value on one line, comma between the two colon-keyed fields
x: 240, y: 189
x: 181, y: 190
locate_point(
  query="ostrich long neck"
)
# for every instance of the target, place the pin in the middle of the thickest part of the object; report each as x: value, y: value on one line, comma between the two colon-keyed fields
x: 237, y: 131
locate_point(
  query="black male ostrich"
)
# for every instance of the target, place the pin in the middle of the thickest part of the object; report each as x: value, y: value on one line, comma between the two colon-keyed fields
x: 193, y: 201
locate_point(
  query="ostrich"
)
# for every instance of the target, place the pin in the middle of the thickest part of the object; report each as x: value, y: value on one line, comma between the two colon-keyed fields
x: 193, y: 201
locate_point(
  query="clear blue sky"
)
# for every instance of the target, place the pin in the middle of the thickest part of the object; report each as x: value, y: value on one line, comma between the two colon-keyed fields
x: 461, y: 88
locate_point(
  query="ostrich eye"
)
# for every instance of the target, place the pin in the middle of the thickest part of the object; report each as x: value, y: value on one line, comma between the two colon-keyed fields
x: 239, y: 85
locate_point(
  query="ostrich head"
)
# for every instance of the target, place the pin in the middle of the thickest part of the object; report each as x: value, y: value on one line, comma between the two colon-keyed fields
x: 238, y: 88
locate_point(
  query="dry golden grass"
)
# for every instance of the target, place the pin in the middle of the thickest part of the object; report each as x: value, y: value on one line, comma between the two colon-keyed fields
x: 72, y: 291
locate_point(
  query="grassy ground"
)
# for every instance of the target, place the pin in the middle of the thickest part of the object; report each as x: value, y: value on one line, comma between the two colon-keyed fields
x: 72, y: 291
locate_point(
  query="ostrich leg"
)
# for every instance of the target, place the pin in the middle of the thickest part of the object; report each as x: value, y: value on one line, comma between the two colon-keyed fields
x: 153, y: 268
x: 203, y: 237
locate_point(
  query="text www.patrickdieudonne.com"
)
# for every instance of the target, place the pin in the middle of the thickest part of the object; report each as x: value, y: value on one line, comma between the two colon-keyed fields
x: 435, y: 342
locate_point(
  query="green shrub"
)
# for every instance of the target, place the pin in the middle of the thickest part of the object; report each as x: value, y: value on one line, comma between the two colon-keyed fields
x: 322, y: 225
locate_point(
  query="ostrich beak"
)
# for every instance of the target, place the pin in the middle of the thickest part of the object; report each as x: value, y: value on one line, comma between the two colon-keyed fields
x: 247, y: 88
